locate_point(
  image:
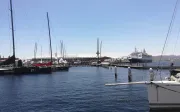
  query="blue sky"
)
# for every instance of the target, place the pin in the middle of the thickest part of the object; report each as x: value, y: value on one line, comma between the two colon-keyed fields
x: 120, y: 24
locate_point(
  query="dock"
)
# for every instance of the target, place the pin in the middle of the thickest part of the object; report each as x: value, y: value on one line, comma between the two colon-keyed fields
x: 140, y: 66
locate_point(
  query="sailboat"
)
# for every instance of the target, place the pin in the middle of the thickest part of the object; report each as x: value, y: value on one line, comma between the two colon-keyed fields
x: 162, y: 94
x: 62, y: 64
x: 11, y: 60
x: 48, y: 64
x: 17, y: 67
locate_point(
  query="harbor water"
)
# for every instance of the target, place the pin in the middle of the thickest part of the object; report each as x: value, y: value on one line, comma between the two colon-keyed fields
x: 81, y: 89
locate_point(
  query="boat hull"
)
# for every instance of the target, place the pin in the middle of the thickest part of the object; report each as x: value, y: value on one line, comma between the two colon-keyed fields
x: 164, y: 95
x: 65, y: 68
x: 60, y: 68
x: 25, y: 70
x: 135, y: 60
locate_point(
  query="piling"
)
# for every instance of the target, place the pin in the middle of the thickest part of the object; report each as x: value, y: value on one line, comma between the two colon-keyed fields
x: 129, y: 74
x: 151, y: 73
x: 115, y: 71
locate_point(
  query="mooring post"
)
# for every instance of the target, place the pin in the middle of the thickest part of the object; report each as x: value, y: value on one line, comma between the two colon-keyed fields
x: 151, y: 73
x: 171, y: 68
x: 115, y: 71
x: 129, y: 74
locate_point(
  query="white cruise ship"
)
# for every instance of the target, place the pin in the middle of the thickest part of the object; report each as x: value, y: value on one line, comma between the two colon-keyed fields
x: 140, y: 57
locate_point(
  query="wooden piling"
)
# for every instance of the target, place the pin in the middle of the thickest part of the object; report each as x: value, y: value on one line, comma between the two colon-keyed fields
x: 115, y: 71
x: 129, y: 74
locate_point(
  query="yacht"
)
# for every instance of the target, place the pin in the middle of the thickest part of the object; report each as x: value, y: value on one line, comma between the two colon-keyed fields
x: 140, y: 57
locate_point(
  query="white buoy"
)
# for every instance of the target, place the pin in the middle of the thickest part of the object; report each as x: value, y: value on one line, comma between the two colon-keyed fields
x: 129, y: 74
x: 151, y: 73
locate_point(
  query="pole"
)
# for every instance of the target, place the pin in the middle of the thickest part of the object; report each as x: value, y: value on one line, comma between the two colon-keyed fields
x: 129, y: 74
x: 41, y: 53
x: 12, y: 29
x: 97, y: 50
x: 35, y: 51
x: 60, y: 49
x: 115, y: 71
x: 49, y: 36
x: 100, y: 49
x: 151, y: 73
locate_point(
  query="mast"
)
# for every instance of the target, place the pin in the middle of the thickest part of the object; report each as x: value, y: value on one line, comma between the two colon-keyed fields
x: 63, y: 51
x: 56, y: 52
x: 60, y: 48
x: 12, y: 29
x: 49, y: 36
x: 35, y: 51
x: 41, y: 53
x: 100, y: 48
x: 97, y: 50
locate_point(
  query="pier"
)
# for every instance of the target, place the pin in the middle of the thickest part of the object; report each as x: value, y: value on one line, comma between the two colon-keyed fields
x: 143, y: 66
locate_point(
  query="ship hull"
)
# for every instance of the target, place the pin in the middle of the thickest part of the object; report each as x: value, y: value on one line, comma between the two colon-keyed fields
x: 25, y: 70
x: 135, y: 60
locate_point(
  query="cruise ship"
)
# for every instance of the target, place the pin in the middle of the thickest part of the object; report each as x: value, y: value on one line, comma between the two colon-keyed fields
x: 140, y: 57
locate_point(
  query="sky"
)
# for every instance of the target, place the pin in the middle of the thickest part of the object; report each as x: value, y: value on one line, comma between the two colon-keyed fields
x: 121, y: 25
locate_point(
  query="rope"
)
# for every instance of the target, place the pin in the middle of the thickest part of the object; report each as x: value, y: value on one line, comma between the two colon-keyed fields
x: 165, y: 88
x: 168, y: 33
x: 176, y: 42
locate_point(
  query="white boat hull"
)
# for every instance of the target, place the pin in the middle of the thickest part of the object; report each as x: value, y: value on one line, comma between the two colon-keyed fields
x: 164, y: 95
x: 161, y: 94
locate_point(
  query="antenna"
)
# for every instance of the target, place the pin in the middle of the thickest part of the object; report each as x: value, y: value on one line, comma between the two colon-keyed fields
x: 49, y: 36
x: 12, y: 25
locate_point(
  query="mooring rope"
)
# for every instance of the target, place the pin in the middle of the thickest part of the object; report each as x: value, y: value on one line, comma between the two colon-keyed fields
x: 165, y: 88
x: 168, y: 33
x: 176, y: 42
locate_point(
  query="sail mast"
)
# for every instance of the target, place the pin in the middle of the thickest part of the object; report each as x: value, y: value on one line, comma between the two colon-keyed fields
x: 100, y: 49
x: 62, y: 49
x: 35, y: 51
x: 49, y: 36
x: 97, y: 50
x: 12, y: 29
x: 41, y: 53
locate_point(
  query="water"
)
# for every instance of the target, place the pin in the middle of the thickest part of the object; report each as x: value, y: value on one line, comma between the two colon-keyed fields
x: 81, y: 89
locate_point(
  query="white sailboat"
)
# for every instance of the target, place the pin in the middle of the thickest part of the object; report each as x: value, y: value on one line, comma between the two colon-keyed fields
x: 162, y: 94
